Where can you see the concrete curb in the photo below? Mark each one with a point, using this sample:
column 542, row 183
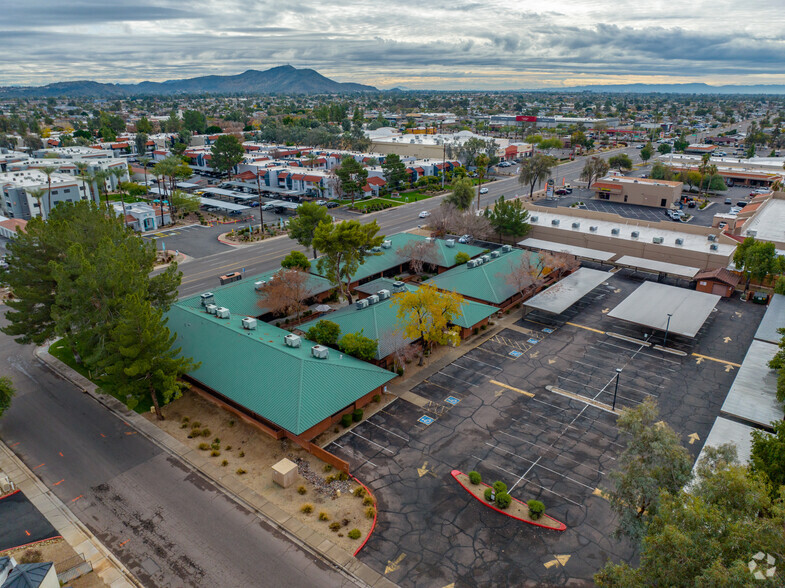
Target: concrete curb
column 311, row 541
column 109, row 569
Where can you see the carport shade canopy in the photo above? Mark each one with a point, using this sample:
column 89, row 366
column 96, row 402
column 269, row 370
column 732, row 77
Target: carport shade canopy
column 659, row 267
column 582, row 252
column 651, row 303
column 568, row 291
column 222, row 204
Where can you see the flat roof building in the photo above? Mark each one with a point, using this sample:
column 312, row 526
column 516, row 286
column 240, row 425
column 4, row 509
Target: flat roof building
column 640, row 191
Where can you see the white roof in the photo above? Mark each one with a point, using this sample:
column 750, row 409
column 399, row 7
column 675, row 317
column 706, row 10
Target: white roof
column 222, row 204
column 568, row 291
column 728, row 431
column 769, row 221
column 661, row 267
column 583, row 252
column 773, row 320
column 753, row 395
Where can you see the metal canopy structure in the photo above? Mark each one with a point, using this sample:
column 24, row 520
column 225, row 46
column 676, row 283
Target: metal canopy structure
column 283, row 204
column 728, row 431
column 773, row 319
column 568, row 291
column 657, row 267
column 582, row 252
column 652, row 305
column 222, row 204
column 753, row 395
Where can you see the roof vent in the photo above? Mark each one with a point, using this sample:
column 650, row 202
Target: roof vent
column 450, row 242
column 373, row 299
column 320, row 352
column 259, row 285
column 534, row 219
column 249, row 323
column 614, row 231
column 714, row 247
column 485, row 258
column 495, row 254
column 679, row 241
column 386, row 244
column 207, row 298
column 506, row 248
column 657, row 240
column 292, row 340
column 635, row 234
column 472, row 263
column 593, row 228
column 222, row 312
column 398, row 286
column 360, row 304
column 752, row 233
column 211, row 308
column 555, row 222
column 712, row 237
column 576, row 225
column 383, row 294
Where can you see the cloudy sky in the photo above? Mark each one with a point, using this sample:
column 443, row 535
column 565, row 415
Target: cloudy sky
column 460, row 44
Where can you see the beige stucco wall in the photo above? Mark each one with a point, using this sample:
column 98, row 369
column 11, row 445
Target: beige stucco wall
column 646, row 194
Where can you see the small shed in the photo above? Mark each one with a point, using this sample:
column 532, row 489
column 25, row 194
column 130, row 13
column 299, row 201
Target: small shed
column 720, row 281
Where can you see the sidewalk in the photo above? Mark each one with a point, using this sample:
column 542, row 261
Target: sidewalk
column 315, row 543
column 109, row 569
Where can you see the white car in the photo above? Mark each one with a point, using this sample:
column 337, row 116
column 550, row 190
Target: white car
column 321, row 202
column 425, row 214
column 483, row 190
column 464, row 239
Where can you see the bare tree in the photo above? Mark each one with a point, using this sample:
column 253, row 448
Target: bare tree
column 534, row 270
column 404, row 350
column 285, row 293
column 419, row 253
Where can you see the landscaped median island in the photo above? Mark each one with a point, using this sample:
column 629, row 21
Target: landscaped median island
column 515, row 508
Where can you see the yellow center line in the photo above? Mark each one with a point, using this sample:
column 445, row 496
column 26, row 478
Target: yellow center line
column 524, row 392
column 717, row 360
column 585, row 327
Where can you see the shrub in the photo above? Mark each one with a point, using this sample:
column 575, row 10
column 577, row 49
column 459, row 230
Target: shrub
column 205, row 432
column 346, row 421
column 343, row 476
column 329, row 479
column 488, row 494
column 345, row 522
column 224, row 463
column 327, row 467
column 475, row 477
column 475, row 330
column 354, row 534
column 184, row 426
column 359, row 492
column 334, row 527
column 536, row 509
column 368, row 501
column 204, row 446
column 215, row 445
column 399, row 371
column 357, row 415
column 240, row 471
column 216, row 441
column 231, row 422
column 196, row 425
column 241, row 454
column 323, row 516
column 370, row 512
column 215, row 453
column 499, row 487
column 377, row 398
column 503, row 500
column 306, row 508
column 302, row 490
column 194, row 433
column 228, row 448
column 31, row 556
column 186, row 419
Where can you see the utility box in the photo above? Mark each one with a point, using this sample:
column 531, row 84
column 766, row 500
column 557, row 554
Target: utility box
column 285, row 473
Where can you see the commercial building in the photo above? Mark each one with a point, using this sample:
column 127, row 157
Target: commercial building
column 640, row 191
column 756, row 171
column 499, row 120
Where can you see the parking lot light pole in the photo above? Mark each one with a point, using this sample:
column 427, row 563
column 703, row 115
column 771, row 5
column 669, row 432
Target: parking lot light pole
column 667, row 326
column 616, row 388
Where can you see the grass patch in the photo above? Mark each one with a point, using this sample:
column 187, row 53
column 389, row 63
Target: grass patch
column 61, row 351
column 375, row 204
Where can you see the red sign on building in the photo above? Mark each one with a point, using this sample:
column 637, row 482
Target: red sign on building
column 521, row 118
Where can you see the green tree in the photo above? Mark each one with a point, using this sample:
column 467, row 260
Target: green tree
column 768, row 449
column 324, row 332
column 48, row 170
column 143, row 125
column 462, row 194
column 653, row 460
column 664, row 148
column 552, row 143
column 185, row 202
column 660, row 171
column 352, row 176
column 140, row 359
column 594, row 169
column 394, row 172
column 461, row 257
column 680, row 144
column 622, row 162
column 779, row 285
column 194, row 121
column 646, row 152
column 757, row 260
column 303, row 227
column 535, row 169
column 508, row 217
column 359, row 346
column 140, row 142
column 345, row 247
column 296, row 259
column 227, row 152
column 7, row 392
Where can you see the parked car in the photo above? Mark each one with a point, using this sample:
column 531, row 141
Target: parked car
column 758, row 191
column 734, row 210
column 742, row 203
column 691, row 204
column 321, row 202
column 425, row 214
column 483, row 190
column 332, row 205
column 253, row 203
column 561, row 191
column 465, row 239
column 728, row 201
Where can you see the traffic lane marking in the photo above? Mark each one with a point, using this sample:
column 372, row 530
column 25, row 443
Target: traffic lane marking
column 724, row 361
column 524, row 392
column 593, row 330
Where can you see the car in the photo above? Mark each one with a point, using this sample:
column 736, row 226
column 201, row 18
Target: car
column 268, row 206
column 758, row 191
column 483, row 190
column 639, row 146
column 734, row 210
column 254, row 204
column 321, row 202
column 728, row 201
column 561, row 191
column 425, row 214
column 332, row 205
column 691, row 204
column 722, row 225
column 742, row 203
column 464, row 239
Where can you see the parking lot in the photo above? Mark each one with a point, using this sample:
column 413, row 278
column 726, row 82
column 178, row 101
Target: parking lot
column 527, row 405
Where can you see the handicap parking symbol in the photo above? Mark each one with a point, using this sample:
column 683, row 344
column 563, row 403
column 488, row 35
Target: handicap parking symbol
column 425, row 420
column 533, row 341
column 515, row 354
column 452, row 400
column 547, row 330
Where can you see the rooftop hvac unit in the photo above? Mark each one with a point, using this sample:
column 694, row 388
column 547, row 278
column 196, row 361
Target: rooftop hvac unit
column 249, row 323
column 207, row 298
column 614, row 231
column 222, row 312
column 711, row 237
column 386, row 244
column 450, row 242
column 593, row 228
column 320, row 352
column 211, row 308
column 714, row 247
column 485, row 258
column 292, row 340
column 679, row 241
column 471, row 263
column 752, row 233
column 635, row 234
column 383, row 294
column 506, row 248
column 495, row 254
column 259, row 285
column 360, row 304
column 534, row 219
column 555, row 222
column 657, row 240
column 373, row 299
column 398, row 286
column 576, row 225
column 429, row 239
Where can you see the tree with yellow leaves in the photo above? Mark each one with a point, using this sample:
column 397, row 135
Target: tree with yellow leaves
column 425, row 313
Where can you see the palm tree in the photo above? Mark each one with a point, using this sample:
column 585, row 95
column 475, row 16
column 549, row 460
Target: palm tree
column 481, row 161
column 38, row 194
column 118, row 173
column 100, row 177
column 81, row 167
column 144, row 161
column 703, row 169
column 49, row 170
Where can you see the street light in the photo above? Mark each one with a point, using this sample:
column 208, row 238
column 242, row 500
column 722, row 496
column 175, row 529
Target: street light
column 616, row 388
column 667, row 325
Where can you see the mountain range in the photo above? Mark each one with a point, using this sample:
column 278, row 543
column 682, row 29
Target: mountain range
column 692, row 88
column 278, row 80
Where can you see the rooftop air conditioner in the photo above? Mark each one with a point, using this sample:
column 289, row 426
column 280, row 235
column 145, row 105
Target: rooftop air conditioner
column 383, row 294
column 429, row 239
column 222, row 312
column 373, row 299
column 657, row 240
column 259, row 285
column 679, row 241
column 450, row 242
column 320, row 352
column 593, row 228
column 398, row 286
column 292, row 340
column 714, row 247
column 386, row 244
column 506, row 248
column 471, row 263
column 576, row 225
column 555, row 222
column 485, row 258
column 614, row 231
column 211, row 308
column 495, row 254
column 360, row 304
column 635, row 234
column 249, row 323
column 534, row 219
column 711, row 237
column 207, row 298
column 752, row 233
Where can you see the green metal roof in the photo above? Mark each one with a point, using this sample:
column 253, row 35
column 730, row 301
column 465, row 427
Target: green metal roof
column 379, row 321
column 284, row 385
column 242, row 298
column 443, row 256
column 486, row 282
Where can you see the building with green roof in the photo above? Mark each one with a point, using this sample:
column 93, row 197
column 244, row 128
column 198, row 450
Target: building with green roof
column 486, row 282
column 301, row 390
column 386, row 261
column 379, row 320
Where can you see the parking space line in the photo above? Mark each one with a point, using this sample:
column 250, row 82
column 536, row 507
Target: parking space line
column 481, row 348
column 542, row 466
column 478, row 361
column 454, row 378
column 611, row 370
column 551, row 447
column 530, row 482
column 387, row 430
column 383, row 448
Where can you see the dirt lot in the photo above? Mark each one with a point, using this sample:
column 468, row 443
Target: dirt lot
column 63, row 556
column 244, row 446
